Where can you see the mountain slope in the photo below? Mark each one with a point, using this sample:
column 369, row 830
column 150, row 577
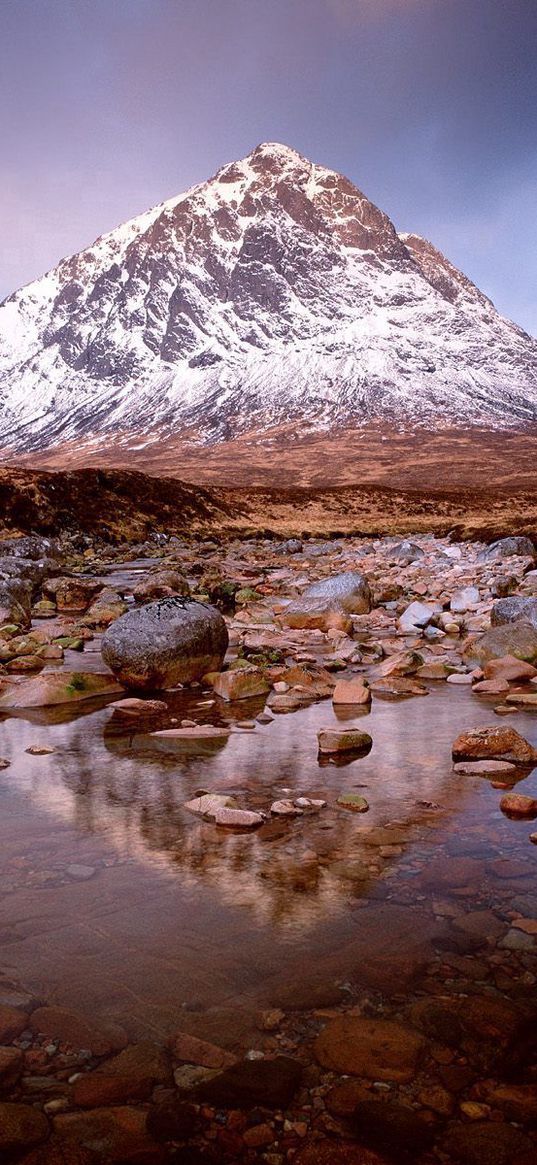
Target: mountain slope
column 275, row 291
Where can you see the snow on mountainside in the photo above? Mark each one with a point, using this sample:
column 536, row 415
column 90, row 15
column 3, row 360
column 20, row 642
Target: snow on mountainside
column 274, row 291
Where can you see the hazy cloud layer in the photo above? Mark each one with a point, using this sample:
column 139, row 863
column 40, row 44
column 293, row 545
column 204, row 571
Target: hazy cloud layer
column 109, row 106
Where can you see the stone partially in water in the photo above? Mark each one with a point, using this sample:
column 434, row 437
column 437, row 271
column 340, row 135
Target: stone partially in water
column 355, row 691
column 57, row 688
column 270, row 1083
column 241, row 683
column 208, row 804
column 485, row 768
column 514, row 639
column 21, row 1127
column 173, row 641
column 15, row 601
column 229, row 818
column 349, row 592
column 354, row 802
column 518, row 805
column 494, row 743
column 339, row 740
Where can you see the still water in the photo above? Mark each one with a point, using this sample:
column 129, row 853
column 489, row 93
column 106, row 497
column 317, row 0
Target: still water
column 119, row 902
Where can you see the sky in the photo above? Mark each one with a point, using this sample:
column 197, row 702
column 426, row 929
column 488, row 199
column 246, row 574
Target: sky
column 108, row 107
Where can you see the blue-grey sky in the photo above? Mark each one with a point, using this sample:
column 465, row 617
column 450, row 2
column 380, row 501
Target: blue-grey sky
column 430, row 106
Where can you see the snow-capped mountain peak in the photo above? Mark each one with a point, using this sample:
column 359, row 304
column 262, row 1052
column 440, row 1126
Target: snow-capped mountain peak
column 275, row 290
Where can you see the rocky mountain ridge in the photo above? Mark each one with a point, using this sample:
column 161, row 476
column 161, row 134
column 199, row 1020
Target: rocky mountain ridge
column 275, row 291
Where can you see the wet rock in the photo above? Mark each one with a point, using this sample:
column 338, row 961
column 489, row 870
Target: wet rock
column 12, row 1023
column 353, row 801
column 285, row 809
column 491, row 687
column 117, row 1134
column 349, row 591
column 485, row 768
column 15, row 602
column 238, row 819
column 136, row 710
column 165, row 643
column 240, row 683
column 131, row 1075
column 192, row 738
column 485, row 1143
column 401, row 663
column 378, row 1049
column 71, row 1028
column 208, row 804
column 337, row 1153
column 21, row 1127
column 57, row 688
column 315, row 614
column 191, row 1050
column 518, row 805
column 387, row 1125
column 518, row 1101
column 514, row 639
column 355, row 691
column 173, row 1120
column 498, row 743
column 11, row 1066
column 525, row 699
column 55, row 1151
column 269, row 1083
column 72, row 594
column 343, row 740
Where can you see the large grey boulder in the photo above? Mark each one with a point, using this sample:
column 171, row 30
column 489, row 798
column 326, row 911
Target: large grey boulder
column 30, row 546
column 512, row 609
column 173, row 641
column 508, row 547
column 518, row 639
column 33, row 569
column 345, row 592
column 404, row 553
column 15, row 601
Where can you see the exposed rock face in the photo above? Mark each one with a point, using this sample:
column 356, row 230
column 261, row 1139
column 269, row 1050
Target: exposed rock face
column 274, row 290
column 173, row 641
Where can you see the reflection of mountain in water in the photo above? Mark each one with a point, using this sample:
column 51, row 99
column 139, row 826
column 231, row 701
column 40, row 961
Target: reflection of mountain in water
column 292, row 873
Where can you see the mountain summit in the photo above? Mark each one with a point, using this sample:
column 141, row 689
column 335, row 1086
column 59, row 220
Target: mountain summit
column 274, row 292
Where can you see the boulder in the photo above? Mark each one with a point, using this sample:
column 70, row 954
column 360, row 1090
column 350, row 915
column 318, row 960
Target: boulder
column 516, row 639
column 60, row 687
column 355, row 691
column 160, row 584
column 507, row 667
column 131, row 1075
column 350, row 592
column 315, row 614
column 497, row 743
column 404, row 553
column 173, row 641
column 508, row 547
column 379, row 1049
column 464, row 600
column 229, row 818
column 249, row 1083
column 30, row 546
column 72, row 594
column 418, row 615
column 15, row 601
column 512, row 609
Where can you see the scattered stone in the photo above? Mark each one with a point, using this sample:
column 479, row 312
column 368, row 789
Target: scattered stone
column 269, row 1083
column 286, row 809
column 238, row 819
column 518, row 805
column 191, row 1050
column 485, row 768
column 494, row 743
column 209, row 804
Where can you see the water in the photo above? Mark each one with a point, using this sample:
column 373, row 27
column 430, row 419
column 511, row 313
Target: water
column 176, row 923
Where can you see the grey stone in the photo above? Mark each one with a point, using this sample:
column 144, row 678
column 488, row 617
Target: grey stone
column 349, row 592
column 172, row 641
column 513, row 609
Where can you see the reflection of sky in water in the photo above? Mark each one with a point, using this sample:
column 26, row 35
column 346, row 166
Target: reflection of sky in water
column 291, row 875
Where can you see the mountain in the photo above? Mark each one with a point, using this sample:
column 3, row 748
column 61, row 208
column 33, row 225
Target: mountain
column 273, row 293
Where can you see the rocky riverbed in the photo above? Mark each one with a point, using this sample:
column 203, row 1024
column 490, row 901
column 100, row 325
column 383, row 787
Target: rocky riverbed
column 286, row 912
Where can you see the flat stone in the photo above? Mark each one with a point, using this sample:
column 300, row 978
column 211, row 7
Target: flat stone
column 353, row 801
column 198, row 732
column 71, row 1028
column 508, row 667
column 338, row 740
column 285, row 809
column 269, row 1083
column 191, row 1050
column 337, row 1153
column 378, row 1049
column 60, row 687
column 208, row 804
column 117, row 1134
column 21, row 1127
column 238, row 819
column 526, row 699
column 131, row 1075
column 485, row 768
column 497, row 743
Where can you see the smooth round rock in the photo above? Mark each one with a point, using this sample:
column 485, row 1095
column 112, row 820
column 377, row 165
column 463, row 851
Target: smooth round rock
column 173, row 641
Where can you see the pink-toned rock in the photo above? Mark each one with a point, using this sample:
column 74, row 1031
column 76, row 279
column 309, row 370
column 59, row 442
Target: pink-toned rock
column 72, row 594
column 190, row 1050
column 12, row 1023
column 238, row 819
column 378, row 1049
column 21, row 1127
column 115, row 1134
column 491, row 687
column 131, row 1075
column 71, row 1028
column 11, row 1066
column 355, row 691
column 485, row 768
column 498, row 743
column 57, row 688
column 241, row 683
column 508, row 667
column 518, row 805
